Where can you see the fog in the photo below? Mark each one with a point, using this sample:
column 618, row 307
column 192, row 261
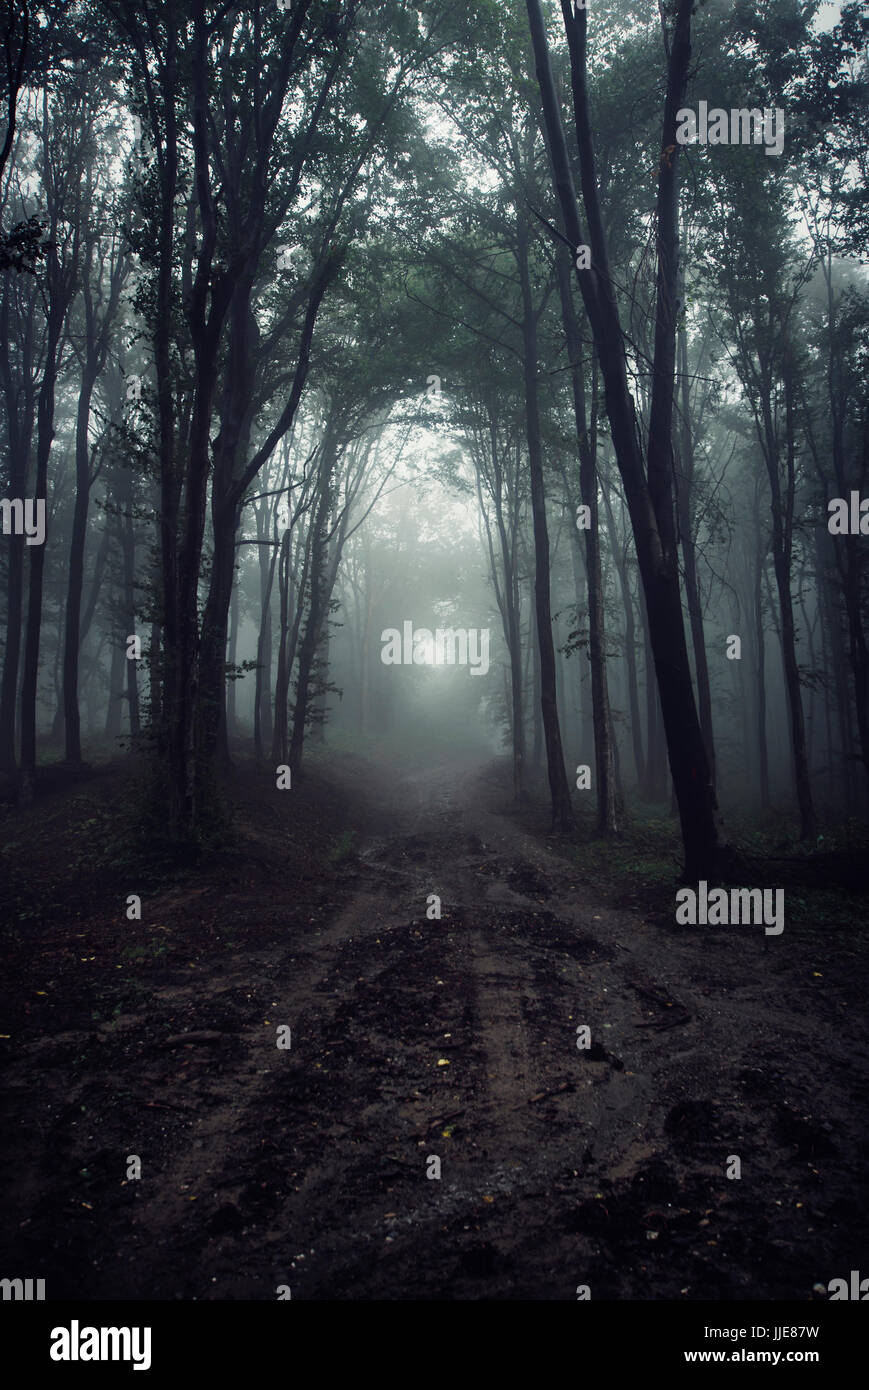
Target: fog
column 434, row 681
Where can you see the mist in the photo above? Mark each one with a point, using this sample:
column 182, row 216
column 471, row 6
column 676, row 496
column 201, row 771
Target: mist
column 434, row 689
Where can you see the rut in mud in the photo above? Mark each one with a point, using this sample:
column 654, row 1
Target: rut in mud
column 414, row 1039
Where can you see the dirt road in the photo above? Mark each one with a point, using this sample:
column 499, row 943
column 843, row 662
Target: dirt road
column 417, row 1039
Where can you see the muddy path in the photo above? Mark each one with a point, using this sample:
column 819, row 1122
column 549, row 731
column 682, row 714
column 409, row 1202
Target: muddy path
column 422, row 1046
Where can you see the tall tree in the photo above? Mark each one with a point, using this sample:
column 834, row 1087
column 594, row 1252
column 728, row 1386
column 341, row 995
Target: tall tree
column 647, row 477
column 65, row 133
column 104, row 268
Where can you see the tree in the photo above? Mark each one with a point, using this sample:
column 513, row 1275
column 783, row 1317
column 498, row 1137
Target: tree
column 646, row 477
column 65, row 135
column 104, row 268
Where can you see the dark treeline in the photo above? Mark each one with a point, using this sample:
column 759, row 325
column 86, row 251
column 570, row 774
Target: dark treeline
column 321, row 317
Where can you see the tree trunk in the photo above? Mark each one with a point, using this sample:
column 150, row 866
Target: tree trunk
column 129, row 552
column 562, row 815
column 30, row 678
column 655, row 785
column 117, row 678
column 18, row 386
column 649, row 499
column 262, row 712
column 684, row 503
column 537, row 721
column 321, row 706
column 78, row 536
column 227, row 495
column 630, row 642
column 317, row 603
column 507, row 588
column 762, row 747
column 782, row 550
column 231, row 703
column 282, row 679
column 603, row 736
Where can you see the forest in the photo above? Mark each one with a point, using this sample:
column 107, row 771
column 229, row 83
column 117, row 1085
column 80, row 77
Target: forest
column 434, row 681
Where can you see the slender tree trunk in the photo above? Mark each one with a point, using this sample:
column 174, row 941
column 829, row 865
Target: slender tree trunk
column 655, row 784
column 262, row 720
column 129, row 562
column 317, row 604
column 648, row 493
column 808, row 827
column 782, row 551
column 684, row 503
column 12, row 652
column 231, row 703
column 603, row 737
column 562, row 815
column 117, row 678
column 165, row 667
column 536, row 704
column 506, row 590
column 18, row 387
column 365, row 664
column 55, row 737
column 155, row 668
column 96, row 341
column 307, row 650
column 847, row 551
column 762, row 747
column 30, row 679
column 630, row 643
column 78, row 537
column 836, row 625
column 318, row 729
column 282, row 679
column 857, row 647
column 633, row 684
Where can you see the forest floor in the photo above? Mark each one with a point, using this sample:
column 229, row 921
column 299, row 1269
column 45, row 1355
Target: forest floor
column 413, row 1038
